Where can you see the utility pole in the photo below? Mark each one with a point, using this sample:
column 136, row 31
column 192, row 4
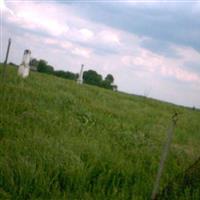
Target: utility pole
column 5, row 62
column 80, row 77
column 164, row 156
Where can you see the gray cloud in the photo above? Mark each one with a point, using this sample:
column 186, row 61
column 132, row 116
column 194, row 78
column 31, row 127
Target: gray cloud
column 173, row 22
column 192, row 66
column 160, row 47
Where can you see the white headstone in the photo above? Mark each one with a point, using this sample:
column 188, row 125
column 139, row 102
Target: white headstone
column 80, row 77
column 24, row 68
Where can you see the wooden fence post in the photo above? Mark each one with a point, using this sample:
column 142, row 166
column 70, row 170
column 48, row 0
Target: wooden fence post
column 164, row 155
column 6, row 59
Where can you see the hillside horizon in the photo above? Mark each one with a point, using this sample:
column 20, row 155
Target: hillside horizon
column 139, row 95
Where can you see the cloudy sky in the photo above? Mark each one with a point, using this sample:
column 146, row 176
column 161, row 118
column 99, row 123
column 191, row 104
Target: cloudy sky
column 151, row 47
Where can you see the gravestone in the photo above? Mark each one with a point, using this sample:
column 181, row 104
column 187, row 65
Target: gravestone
column 80, row 77
column 24, row 68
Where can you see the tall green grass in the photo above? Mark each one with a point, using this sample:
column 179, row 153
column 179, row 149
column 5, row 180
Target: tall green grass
column 60, row 140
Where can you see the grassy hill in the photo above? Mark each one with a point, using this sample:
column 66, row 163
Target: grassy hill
column 60, row 140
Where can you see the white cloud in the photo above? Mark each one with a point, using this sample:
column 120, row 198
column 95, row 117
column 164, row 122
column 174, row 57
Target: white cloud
column 86, row 33
column 150, row 62
column 38, row 17
column 187, row 53
column 82, row 52
column 59, row 43
column 108, row 36
column 61, row 21
column 2, row 5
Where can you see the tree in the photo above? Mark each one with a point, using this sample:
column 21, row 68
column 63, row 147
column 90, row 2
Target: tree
column 109, row 78
column 107, row 82
column 92, row 77
column 44, row 67
column 67, row 75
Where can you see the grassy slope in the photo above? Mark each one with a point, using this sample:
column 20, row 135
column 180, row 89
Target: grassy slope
column 60, row 140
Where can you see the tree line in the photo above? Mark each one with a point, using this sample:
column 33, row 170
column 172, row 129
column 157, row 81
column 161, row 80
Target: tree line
column 89, row 77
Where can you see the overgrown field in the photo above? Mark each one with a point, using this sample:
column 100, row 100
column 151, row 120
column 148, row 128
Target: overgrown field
column 60, row 140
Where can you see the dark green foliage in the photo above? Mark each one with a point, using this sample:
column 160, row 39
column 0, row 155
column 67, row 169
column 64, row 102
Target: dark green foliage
column 109, row 78
column 67, row 75
column 92, row 77
column 106, row 84
column 44, row 67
